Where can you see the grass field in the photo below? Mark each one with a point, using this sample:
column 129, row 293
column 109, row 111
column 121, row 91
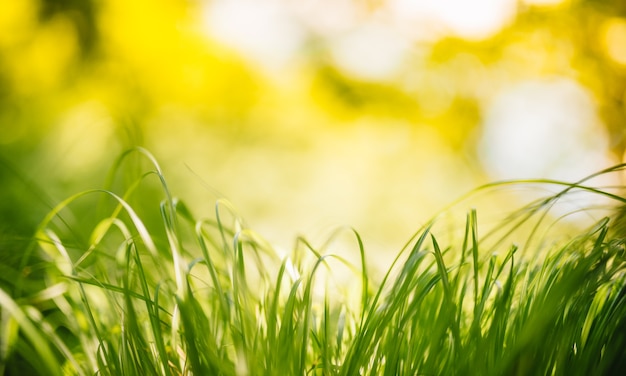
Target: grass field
column 127, row 281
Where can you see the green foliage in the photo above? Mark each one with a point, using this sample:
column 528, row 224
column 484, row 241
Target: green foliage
column 121, row 293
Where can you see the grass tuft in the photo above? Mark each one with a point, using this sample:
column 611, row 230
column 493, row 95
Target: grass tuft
column 140, row 286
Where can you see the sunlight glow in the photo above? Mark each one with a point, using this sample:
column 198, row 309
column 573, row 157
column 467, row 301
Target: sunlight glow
column 366, row 45
column 315, row 16
column 371, row 51
column 543, row 129
column 263, row 31
column 477, row 19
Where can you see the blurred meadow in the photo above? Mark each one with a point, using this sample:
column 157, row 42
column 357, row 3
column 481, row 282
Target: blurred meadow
column 308, row 114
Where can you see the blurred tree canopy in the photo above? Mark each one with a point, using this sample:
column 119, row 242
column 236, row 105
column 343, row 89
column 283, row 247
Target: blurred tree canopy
column 137, row 58
column 81, row 80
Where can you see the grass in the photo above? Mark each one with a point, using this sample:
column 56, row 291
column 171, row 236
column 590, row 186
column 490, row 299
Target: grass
column 131, row 283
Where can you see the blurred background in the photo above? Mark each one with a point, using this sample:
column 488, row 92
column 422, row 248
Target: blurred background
column 308, row 114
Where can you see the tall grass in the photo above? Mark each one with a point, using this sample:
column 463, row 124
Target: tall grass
column 128, row 283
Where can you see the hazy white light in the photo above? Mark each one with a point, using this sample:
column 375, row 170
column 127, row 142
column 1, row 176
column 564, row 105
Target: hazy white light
column 262, row 30
column 543, row 2
column 475, row 19
column 316, row 15
column 543, row 129
column 372, row 52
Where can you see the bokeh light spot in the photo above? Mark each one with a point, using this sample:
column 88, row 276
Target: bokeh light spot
column 476, row 19
column 614, row 38
column 263, row 31
column 372, row 52
column 17, row 21
column 546, row 129
column 45, row 60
